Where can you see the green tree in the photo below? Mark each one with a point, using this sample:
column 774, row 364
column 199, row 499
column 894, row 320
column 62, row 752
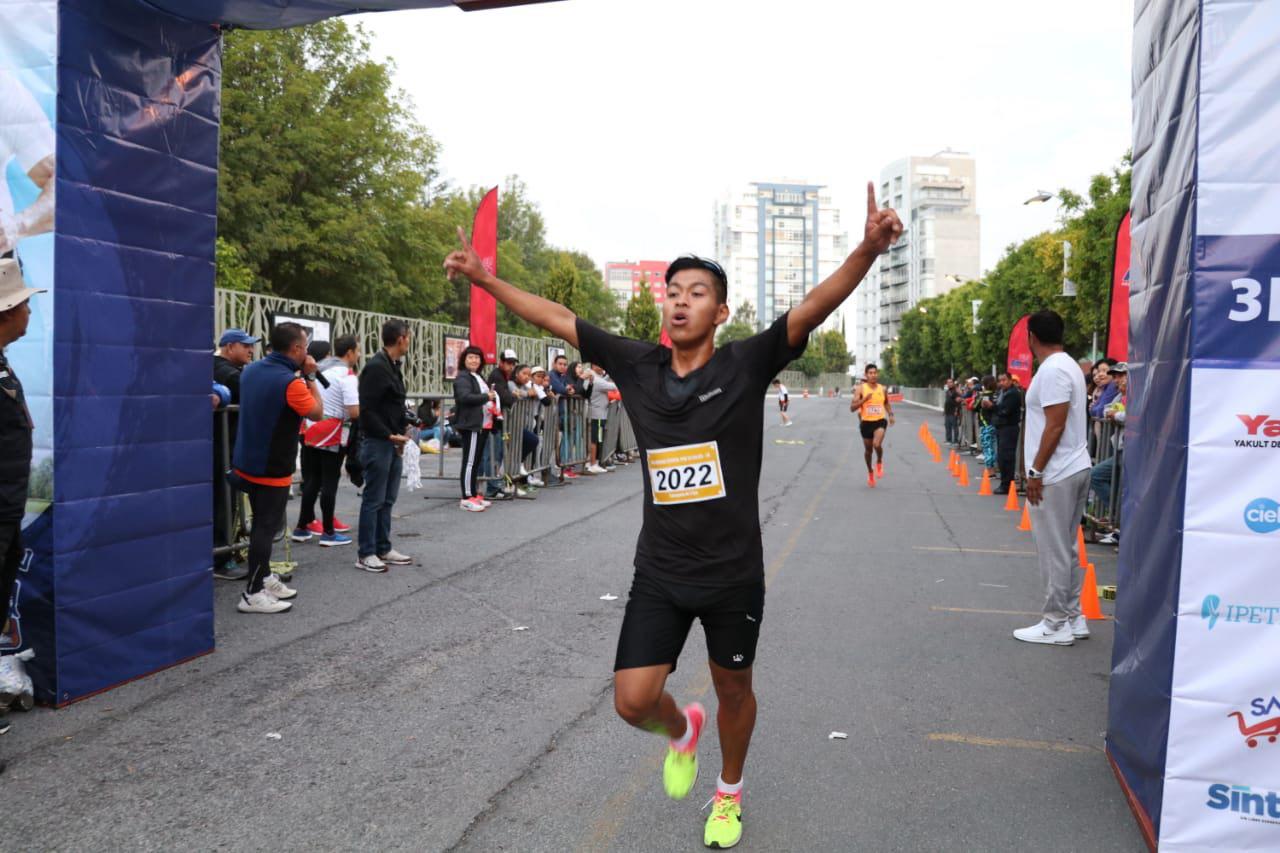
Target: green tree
column 833, row 350
column 810, row 364
column 562, row 284
column 741, row 325
column 643, row 321
column 231, row 272
column 323, row 173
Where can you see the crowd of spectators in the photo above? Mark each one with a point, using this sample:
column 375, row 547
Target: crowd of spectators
column 985, row 416
column 324, row 408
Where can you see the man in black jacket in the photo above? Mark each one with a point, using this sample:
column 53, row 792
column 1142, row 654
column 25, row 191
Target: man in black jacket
column 383, row 421
column 951, row 412
column 235, row 351
column 491, row 459
column 15, row 460
column 1008, row 419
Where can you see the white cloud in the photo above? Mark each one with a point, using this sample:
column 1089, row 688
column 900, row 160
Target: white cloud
column 628, row 117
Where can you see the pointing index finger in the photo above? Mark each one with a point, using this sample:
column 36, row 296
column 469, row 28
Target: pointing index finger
column 871, row 198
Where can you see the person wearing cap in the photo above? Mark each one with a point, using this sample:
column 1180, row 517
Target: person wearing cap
column 16, row 429
column 235, row 351
column 1103, row 473
column 491, row 456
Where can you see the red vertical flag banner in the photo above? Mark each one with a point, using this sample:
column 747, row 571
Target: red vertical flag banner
column 1019, row 361
column 1118, row 320
column 484, row 309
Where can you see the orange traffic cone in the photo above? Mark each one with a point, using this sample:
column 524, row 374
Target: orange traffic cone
column 964, row 476
column 1089, row 595
column 1083, row 555
column 985, row 488
column 951, row 464
column 937, row 453
column 1011, row 503
column 1025, row 523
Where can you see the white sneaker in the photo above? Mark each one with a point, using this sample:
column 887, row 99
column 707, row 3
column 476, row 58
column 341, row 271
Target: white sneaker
column 471, row 505
column 395, row 558
column 371, row 564
column 596, row 469
column 524, row 472
column 1080, row 627
column 261, row 602
column 1111, row 538
column 1042, row 633
column 790, row 423
column 535, row 481
column 276, row 587
column 485, row 502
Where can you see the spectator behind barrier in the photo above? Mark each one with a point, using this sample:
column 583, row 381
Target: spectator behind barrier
column 1103, row 473
column 383, row 435
column 951, row 411
column 984, row 408
column 1008, row 423
column 598, row 413
column 273, row 402
column 473, row 397
column 324, row 442
column 491, row 456
column 235, row 350
column 522, row 388
column 563, row 383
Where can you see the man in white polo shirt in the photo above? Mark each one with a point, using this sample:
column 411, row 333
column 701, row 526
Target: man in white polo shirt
column 1057, row 480
column 25, row 135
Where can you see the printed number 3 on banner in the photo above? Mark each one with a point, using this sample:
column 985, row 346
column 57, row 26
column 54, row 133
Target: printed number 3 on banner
column 1250, row 306
column 686, row 474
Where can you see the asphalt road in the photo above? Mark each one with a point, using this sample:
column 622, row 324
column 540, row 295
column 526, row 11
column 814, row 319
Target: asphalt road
column 413, row 716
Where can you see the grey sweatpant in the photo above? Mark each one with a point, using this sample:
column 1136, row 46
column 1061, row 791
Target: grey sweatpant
column 1053, row 525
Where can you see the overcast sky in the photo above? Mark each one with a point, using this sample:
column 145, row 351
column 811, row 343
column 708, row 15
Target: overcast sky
column 628, row 118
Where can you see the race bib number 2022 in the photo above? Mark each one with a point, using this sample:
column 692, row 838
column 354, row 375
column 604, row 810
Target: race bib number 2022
column 686, row 474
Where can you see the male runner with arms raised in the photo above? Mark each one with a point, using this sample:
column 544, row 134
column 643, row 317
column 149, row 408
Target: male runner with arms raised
column 697, row 417
column 871, row 402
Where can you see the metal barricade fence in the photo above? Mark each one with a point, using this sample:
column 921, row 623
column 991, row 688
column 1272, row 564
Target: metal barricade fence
column 232, row 511
column 969, row 430
column 619, row 437
column 573, row 431
column 627, row 436
column 1106, row 480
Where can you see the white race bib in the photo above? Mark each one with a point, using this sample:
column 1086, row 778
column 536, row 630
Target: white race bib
column 686, row 474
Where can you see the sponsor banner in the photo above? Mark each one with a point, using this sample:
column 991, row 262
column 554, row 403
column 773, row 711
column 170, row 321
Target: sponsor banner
column 1118, row 317
column 1238, row 158
column 1018, row 360
column 1237, row 298
column 28, row 88
column 484, row 308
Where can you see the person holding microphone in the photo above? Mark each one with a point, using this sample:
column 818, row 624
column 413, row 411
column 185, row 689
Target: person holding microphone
column 273, row 401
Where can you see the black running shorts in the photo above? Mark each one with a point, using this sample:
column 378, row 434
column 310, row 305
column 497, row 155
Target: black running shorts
column 869, row 428
column 782, row 404
column 660, row 613
column 597, row 430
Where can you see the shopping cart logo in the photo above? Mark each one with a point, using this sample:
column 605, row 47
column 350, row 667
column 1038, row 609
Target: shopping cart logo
column 1262, row 515
column 1212, row 610
column 1262, row 723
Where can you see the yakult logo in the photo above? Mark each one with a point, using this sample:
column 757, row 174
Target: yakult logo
column 1262, row 516
column 1260, row 431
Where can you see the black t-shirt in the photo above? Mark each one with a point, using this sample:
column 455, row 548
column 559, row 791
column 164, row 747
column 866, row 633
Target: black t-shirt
column 703, row 528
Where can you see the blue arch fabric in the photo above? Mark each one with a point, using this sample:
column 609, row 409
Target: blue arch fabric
column 274, row 14
column 137, row 150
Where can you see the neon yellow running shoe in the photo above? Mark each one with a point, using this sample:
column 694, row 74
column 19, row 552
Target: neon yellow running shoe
column 724, row 826
column 680, row 769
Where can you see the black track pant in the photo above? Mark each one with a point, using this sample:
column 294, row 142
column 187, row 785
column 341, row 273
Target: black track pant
column 469, row 473
column 326, row 470
column 268, row 504
column 1007, row 453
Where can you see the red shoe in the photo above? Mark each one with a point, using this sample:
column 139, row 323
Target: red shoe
column 339, row 526
column 317, row 528
column 871, row 480
column 570, row 474
column 880, row 470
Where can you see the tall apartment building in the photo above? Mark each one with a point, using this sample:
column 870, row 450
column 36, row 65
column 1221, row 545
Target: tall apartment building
column 777, row 241
column 937, row 199
column 623, row 279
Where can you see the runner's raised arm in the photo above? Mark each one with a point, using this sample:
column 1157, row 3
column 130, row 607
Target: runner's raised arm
column 882, row 230
column 544, row 313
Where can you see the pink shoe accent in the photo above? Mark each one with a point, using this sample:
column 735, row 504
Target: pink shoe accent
column 697, row 717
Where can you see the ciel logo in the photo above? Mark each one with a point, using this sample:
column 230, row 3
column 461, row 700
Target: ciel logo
column 1262, row 515
column 1263, row 721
